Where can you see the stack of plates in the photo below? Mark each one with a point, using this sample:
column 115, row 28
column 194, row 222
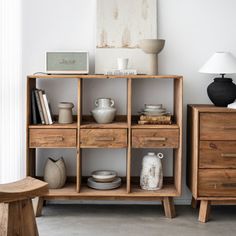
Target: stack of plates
column 104, row 180
column 154, row 110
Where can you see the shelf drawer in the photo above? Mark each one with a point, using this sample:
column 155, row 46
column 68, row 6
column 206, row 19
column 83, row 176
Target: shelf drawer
column 155, row 138
column 218, row 126
column 217, row 154
column 216, row 182
column 52, row 138
column 103, row 138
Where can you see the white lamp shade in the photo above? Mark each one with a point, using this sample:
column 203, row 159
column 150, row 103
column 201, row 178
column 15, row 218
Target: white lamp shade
column 220, row 63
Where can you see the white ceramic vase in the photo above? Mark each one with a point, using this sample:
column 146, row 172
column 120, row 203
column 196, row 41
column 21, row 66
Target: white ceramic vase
column 104, row 112
column 152, row 47
column 55, row 173
column 151, row 177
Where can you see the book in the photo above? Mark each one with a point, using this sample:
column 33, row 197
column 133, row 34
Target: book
column 34, row 120
column 43, row 106
column 36, row 92
column 47, row 108
column 121, row 72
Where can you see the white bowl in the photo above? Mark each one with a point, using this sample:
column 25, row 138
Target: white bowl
column 104, row 176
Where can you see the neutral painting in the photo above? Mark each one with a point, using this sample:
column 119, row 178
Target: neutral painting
column 122, row 23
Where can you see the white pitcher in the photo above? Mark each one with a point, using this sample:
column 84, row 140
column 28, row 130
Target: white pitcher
column 151, row 177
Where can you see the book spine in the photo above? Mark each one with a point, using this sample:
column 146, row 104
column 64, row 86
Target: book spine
column 43, row 107
column 33, row 108
column 39, row 106
column 47, row 108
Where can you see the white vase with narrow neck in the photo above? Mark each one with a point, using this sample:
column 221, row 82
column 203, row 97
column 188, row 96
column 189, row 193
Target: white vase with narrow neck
column 104, row 112
column 151, row 177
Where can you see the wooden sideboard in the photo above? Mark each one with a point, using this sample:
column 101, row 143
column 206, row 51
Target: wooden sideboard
column 123, row 133
column 211, row 156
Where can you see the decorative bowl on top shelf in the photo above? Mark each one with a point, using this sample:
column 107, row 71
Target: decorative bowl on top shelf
column 104, row 176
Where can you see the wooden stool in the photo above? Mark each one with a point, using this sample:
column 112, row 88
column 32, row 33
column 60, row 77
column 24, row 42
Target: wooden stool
column 16, row 210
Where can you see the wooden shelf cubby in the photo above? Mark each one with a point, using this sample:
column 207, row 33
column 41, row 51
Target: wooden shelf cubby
column 123, row 133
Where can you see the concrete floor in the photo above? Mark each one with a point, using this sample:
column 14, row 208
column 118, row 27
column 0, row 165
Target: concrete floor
column 133, row 220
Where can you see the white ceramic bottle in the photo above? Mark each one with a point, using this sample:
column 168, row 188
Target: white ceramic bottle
column 151, row 177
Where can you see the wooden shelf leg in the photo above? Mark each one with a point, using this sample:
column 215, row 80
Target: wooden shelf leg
column 169, row 207
column 194, row 203
column 38, row 206
column 204, row 211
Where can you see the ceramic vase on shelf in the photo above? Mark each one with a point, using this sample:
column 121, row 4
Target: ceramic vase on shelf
column 104, row 112
column 55, row 173
column 151, row 177
column 65, row 112
column 152, row 47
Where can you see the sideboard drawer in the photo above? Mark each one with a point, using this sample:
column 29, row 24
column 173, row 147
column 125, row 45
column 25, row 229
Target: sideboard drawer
column 216, row 182
column 218, row 126
column 217, row 154
column 52, row 138
column 103, row 138
column 155, row 138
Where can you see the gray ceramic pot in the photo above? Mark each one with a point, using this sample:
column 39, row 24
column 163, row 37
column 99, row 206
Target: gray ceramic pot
column 55, row 173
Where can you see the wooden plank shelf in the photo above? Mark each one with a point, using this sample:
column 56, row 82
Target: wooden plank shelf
column 55, row 125
column 113, row 125
column 101, row 76
column 69, row 192
column 137, row 126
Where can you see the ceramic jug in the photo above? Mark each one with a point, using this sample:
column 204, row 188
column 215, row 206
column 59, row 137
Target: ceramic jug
column 151, row 177
column 104, row 112
column 55, row 173
column 65, row 112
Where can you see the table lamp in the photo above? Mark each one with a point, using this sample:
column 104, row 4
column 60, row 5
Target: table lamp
column 222, row 91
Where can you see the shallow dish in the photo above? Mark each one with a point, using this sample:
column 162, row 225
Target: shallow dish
column 104, row 186
column 153, row 106
column 155, row 110
column 104, row 176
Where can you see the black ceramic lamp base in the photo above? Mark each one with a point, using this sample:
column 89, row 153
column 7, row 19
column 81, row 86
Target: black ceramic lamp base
column 222, row 92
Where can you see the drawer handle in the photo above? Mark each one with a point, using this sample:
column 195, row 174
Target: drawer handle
column 229, row 185
column 229, row 127
column 105, row 139
column 55, row 139
column 228, row 155
column 155, row 139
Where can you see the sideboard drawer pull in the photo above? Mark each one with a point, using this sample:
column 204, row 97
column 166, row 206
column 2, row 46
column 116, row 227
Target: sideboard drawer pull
column 229, row 127
column 55, row 138
column 229, row 185
column 228, row 155
column 105, row 139
column 148, row 139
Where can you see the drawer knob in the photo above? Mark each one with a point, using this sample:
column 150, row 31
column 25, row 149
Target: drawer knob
column 105, row 139
column 228, row 155
column 150, row 139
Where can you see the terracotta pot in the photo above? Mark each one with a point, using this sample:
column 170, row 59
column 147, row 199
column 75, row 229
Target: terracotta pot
column 55, row 173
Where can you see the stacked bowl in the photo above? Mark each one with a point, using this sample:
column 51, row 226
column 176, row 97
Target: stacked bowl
column 104, row 180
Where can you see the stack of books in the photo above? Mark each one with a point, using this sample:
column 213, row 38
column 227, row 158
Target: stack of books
column 40, row 108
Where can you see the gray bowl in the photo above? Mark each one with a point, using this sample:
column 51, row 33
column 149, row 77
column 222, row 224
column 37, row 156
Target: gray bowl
column 104, row 186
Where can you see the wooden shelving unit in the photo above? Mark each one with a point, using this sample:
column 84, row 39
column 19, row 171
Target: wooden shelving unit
column 124, row 132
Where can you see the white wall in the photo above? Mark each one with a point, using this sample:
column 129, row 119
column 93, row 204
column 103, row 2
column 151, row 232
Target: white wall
column 193, row 29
